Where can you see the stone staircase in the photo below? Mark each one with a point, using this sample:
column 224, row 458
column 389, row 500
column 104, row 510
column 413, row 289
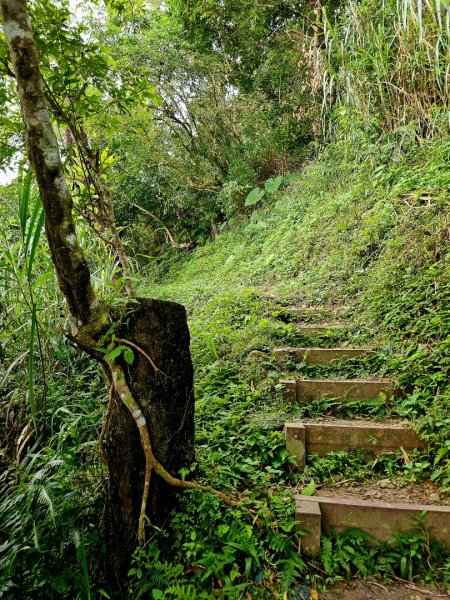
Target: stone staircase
column 337, row 511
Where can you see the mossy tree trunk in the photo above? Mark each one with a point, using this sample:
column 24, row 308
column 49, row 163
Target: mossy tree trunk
column 70, row 264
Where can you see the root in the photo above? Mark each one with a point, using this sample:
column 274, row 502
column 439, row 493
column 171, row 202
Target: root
column 120, row 385
column 105, row 426
column 191, row 485
column 141, row 351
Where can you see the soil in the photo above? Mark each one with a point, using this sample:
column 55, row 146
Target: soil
column 385, row 422
column 372, row 590
column 387, row 490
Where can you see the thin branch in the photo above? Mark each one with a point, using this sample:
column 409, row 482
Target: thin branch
column 105, row 426
column 141, row 351
column 172, row 240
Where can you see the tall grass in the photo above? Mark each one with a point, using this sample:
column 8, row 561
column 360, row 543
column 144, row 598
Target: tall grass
column 24, row 290
column 30, row 304
column 388, row 66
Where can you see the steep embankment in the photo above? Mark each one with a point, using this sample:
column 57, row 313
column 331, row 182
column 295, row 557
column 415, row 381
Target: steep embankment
column 367, row 230
column 360, row 231
column 370, row 232
column 367, row 233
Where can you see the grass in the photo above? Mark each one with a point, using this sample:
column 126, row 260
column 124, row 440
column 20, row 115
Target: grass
column 337, row 235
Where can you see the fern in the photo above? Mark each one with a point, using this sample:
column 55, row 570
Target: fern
column 443, row 451
column 181, row 591
column 327, row 550
column 44, row 499
column 289, row 571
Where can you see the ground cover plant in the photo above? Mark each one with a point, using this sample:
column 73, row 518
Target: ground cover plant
column 258, row 157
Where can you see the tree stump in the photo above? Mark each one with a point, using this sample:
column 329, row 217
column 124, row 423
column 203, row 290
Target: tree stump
column 167, row 400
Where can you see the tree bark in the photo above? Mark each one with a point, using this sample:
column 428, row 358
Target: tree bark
column 71, row 267
column 167, row 401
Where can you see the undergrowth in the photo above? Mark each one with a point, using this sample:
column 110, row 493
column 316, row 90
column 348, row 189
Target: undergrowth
column 338, row 236
column 348, row 232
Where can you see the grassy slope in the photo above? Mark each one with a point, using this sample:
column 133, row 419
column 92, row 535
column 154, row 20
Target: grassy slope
column 348, row 230
column 369, row 232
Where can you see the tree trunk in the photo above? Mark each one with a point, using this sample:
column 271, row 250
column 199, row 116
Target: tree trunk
column 167, row 401
column 70, row 263
column 163, row 399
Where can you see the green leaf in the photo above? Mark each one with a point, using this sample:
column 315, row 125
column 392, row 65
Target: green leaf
column 403, row 567
column 31, row 397
column 115, row 352
column 24, row 198
column 35, row 242
column 309, row 489
column 157, row 594
column 254, row 196
column 248, row 566
column 129, row 356
column 272, row 185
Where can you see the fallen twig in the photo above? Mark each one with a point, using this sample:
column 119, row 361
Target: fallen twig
column 411, row 586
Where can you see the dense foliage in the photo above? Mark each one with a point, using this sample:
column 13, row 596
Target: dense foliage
column 259, row 155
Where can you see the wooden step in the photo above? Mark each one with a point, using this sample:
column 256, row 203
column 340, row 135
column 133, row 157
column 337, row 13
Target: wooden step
column 379, row 519
column 306, row 390
column 318, row 329
column 319, row 356
column 314, row 312
column 332, row 436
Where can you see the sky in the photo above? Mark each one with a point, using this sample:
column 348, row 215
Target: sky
column 6, row 176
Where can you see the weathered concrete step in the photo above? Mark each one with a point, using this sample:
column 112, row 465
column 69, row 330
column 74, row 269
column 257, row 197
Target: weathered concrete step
column 313, row 312
column 306, row 390
column 319, row 356
column 323, row 437
column 379, row 519
column 318, row 329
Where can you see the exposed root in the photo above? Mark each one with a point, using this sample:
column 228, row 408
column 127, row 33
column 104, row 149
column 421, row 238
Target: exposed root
column 191, row 485
column 141, row 351
column 105, row 426
column 151, row 463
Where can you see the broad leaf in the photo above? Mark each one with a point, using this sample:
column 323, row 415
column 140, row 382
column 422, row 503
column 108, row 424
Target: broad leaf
column 254, row 196
column 273, row 184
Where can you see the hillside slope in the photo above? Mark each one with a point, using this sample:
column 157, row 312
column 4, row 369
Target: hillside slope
column 369, row 233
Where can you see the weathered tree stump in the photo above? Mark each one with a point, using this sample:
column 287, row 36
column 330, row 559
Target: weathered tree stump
column 167, row 400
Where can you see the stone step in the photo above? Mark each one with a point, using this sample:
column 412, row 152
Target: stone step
column 319, row 356
column 306, row 390
column 318, row 329
column 310, row 313
column 304, row 310
column 379, row 519
column 332, row 436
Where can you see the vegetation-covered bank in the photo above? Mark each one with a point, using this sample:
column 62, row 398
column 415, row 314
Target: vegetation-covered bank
column 368, row 231
column 255, row 156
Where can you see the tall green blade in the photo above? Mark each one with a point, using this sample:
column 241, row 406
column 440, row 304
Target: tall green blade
column 31, row 397
column 35, row 242
column 24, row 199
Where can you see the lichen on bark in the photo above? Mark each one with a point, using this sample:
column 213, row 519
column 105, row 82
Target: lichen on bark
column 71, row 267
